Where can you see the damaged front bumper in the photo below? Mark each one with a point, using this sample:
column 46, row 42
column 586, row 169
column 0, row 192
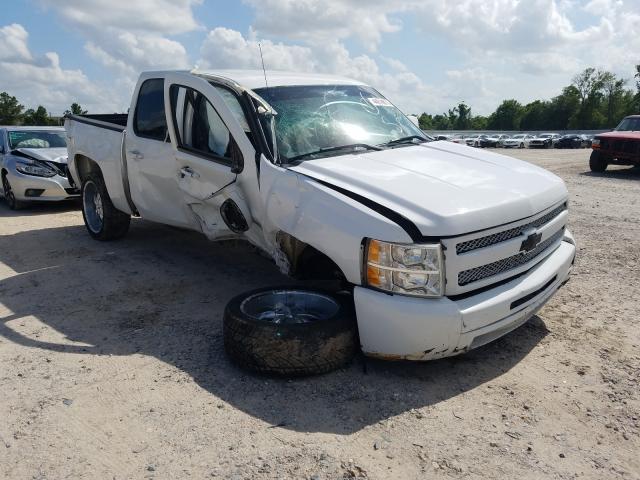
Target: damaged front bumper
column 396, row 327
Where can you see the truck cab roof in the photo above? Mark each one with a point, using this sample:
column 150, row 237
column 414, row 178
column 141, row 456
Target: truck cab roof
column 274, row 78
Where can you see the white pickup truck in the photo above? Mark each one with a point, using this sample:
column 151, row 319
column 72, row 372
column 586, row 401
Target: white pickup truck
column 444, row 247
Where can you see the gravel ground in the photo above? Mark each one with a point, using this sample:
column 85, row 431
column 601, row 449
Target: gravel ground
column 111, row 365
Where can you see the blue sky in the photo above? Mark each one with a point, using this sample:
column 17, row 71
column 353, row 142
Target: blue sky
column 425, row 55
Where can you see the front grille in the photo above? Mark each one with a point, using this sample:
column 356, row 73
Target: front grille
column 505, row 235
column 474, row 274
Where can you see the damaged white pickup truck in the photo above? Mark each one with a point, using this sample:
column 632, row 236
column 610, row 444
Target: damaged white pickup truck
column 444, row 247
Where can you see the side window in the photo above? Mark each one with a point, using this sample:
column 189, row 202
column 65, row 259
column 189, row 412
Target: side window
column 199, row 127
column 234, row 105
column 150, row 120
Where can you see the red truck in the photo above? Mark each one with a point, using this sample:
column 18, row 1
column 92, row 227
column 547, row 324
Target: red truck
column 619, row 147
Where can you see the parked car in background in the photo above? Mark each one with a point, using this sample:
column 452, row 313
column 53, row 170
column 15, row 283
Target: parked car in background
column 519, row 140
column 330, row 186
column 619, row 147
column 459, row 139
column 474, row 140
column 544, row 140
column 492, row 141
column 572, row 140
column 444, row 137
column 33, row 165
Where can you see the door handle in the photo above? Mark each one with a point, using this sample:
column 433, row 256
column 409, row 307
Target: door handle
column 136, row 154
column 188, row 172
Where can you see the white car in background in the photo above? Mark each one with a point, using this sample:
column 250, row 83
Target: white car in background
column 474, row 140
column 33, row 165
column 520, row 140
column 544, row 140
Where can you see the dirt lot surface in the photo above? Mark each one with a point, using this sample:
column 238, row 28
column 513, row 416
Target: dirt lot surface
column 112, row 366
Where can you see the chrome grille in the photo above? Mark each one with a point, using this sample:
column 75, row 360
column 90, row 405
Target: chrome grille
column 505, row 235
column 474, row 274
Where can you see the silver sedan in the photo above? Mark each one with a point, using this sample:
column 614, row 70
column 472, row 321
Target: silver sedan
column 33, row 163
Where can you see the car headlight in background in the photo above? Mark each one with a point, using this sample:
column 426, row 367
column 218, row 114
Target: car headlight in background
column 406, row 269
column 35, row 168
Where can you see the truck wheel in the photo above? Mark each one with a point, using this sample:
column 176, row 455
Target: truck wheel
column 9, row 195
column 597, row 162
column 290, row 331
column 102, row 219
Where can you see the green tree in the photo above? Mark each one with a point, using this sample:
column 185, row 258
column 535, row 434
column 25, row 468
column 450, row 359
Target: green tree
column 426, row 121
column 10, row 110
column 463, row 117
column 589, row 84
column 563, row 108
column 507, row 116
column 441, row 122
column 76, row 109
column 535, row 116
column 613, row 88
column 39, row 116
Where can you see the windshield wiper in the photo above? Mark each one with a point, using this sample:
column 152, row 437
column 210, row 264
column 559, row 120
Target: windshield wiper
column 409, row 139
column 352, row 146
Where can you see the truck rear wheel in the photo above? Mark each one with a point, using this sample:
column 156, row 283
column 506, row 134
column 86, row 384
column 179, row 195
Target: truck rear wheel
column 290, row 331
column 102, row 219
column 597, row 162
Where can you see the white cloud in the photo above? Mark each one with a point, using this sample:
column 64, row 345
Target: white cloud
column 40, row 79
column 225, row 48
column 13, row 43
column 166, row 17
column 130, row 36
column 316, row 21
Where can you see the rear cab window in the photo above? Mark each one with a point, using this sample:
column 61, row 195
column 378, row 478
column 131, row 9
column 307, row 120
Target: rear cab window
column 150, row 120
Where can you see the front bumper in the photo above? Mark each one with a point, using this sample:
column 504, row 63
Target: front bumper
column 45, row 189
column 396, row 327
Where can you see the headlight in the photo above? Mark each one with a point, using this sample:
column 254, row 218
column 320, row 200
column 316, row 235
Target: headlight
column 415, row 270
column 35, row 169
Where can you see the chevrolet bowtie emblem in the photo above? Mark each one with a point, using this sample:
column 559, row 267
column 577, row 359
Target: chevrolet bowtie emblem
column 531, row 242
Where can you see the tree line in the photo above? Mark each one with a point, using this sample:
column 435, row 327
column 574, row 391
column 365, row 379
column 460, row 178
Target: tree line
column 13, row 113
column 596, row 99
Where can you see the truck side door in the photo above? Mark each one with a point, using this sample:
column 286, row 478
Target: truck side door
column 210, row 148
column 150, row 159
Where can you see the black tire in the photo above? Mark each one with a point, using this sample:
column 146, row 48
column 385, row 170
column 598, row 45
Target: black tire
column 597, row 162
column 290, row 349
column 521, row 145
column 113, row 223
column 9, row 195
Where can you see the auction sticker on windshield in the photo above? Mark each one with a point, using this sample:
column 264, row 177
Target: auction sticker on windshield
column 379, row 102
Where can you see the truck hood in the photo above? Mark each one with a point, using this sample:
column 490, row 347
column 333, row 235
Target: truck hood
column 444, row 188
column 630, row 135
column 58, row 155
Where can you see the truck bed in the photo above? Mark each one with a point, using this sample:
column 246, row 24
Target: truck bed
column 111, row 121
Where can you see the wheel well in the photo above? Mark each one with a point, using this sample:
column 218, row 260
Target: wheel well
column 85, row 167
column 307, row 262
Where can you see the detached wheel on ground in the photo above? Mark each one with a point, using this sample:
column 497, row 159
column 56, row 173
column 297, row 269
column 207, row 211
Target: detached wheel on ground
column 598, row 162
column 102, row 219
column 9, row 195
column 290, row 331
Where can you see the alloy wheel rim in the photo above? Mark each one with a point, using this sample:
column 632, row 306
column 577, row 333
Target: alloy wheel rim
column 8, row 191
column 283, row 306
column 93, row 207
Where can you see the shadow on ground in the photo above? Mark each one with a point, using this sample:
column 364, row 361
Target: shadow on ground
column 632, row 173
column 161, row 292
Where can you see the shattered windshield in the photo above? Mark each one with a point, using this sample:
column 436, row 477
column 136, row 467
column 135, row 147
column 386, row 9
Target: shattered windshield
column 37, row 139
column 322, row 118
column 629, row 125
